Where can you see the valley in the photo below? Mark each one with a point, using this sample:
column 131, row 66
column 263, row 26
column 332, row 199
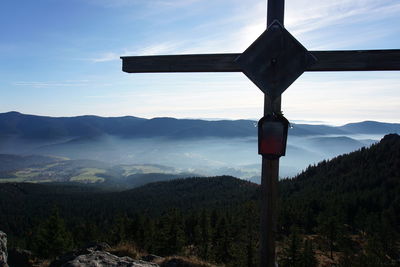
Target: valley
column 178, row 147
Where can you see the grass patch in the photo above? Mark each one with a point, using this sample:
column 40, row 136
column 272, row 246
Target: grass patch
column 134, row 169
column 50, row 166
column 26, row 173
column 12, row 180
column 127, row 249
column 89, row 175
column 40, row 181
column 183, row 261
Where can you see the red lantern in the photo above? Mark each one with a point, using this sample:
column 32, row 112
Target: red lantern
column 272, row 136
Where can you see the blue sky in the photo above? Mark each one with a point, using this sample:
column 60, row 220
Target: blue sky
column 61, row 58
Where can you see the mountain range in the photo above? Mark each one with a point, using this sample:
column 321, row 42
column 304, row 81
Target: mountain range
column 48, row 128
column 225, row 147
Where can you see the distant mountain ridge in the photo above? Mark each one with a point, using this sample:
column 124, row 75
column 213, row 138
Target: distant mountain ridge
column 40, row 127
column 48, row 128
column 371, row 127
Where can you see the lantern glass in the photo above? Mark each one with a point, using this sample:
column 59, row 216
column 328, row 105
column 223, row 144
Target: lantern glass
column 272, row 131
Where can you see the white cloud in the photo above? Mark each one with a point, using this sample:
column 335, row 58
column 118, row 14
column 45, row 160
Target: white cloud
column 308, row 21
column 110, row 56
column 318, row 15
column 158, row 48
column 152, row 49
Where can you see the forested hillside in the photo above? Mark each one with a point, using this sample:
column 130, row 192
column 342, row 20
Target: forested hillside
column 343, row 212
column 361, row 188
column 353, row 201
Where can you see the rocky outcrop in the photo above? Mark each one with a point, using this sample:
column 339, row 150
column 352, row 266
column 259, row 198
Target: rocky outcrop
column 76, row 253
column 102, row 258
column 95, row 255
column 3, row 249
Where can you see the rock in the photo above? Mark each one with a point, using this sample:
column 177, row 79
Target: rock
column 89, row 248
column 20, row 257
column 102, row 246
column 95, row 255
column 3, row 249
column 105, row 259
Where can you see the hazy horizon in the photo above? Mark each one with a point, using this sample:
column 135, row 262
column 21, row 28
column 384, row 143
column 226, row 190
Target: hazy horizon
column 222, row 148
column 299, row 121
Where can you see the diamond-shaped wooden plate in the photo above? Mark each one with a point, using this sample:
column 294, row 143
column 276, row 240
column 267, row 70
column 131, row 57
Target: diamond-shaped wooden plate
column 275, row 60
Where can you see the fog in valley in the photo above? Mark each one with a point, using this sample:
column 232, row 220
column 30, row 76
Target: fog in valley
column 197, row 156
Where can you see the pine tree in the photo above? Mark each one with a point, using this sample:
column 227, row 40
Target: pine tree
column 118, row 229
column 292, row 250
column 375, row 254
column 175, row 236
column 205, row 235
column 307, row 257
column 192, row 230
column 148, row 234
column 331, row 229
column 252, row 224
column 52, row 238
column 222, row 242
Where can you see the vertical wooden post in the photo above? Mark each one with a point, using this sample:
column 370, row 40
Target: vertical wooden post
column 270, row 168
column 275, row 11
column 269, row 184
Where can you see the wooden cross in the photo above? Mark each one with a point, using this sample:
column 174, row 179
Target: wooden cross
column 273, row 62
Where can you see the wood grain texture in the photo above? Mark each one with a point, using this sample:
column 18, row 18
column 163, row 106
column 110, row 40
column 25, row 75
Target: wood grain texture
column 181, row 63
column 351, row 60
column 275, row 11
column 269, row 211
column 356, row 60
column 270, row 168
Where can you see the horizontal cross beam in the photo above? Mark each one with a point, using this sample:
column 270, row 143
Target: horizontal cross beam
column 181, row 63
column 356, row 60
column 348, row 60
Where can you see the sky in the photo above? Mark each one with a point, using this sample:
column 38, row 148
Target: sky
column 61, row 58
